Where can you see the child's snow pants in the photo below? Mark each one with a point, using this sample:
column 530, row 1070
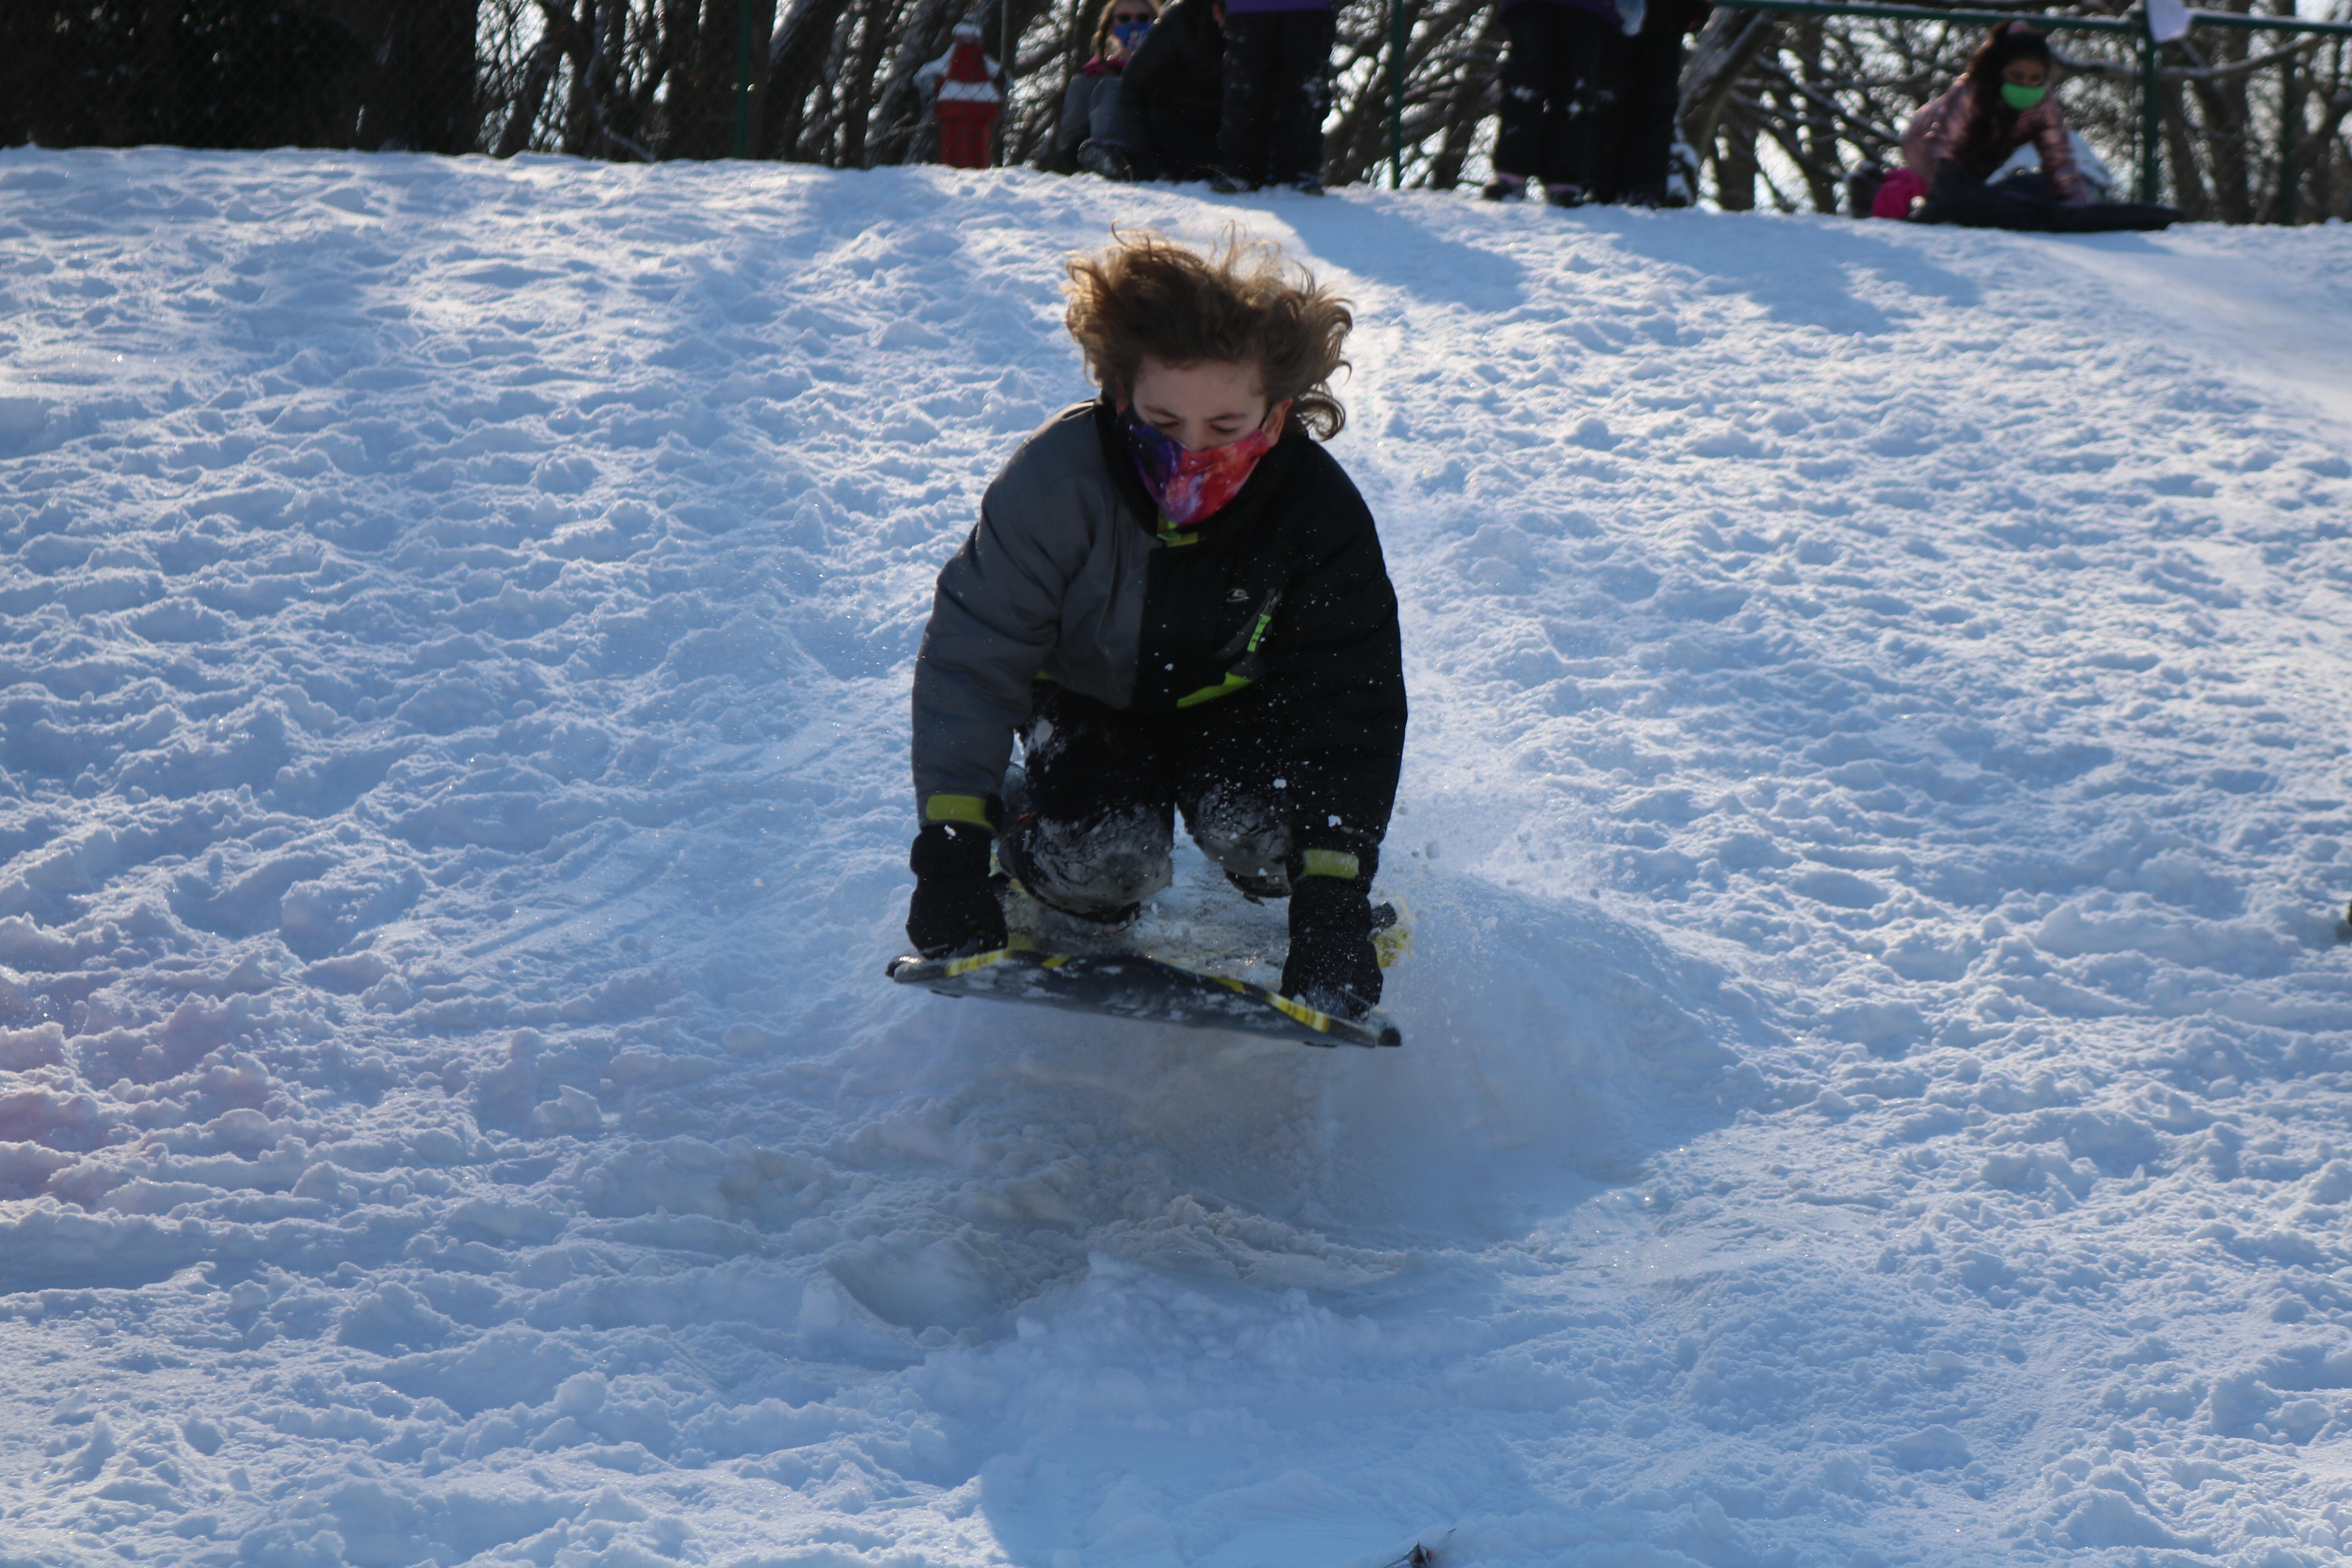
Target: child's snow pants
column 1090, row 821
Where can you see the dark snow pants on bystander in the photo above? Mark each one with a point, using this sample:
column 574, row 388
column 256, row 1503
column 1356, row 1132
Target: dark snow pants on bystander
column 1555, row 94
column 1278, row 91
column 1633, row 154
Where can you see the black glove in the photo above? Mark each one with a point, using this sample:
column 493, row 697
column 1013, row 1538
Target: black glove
column 954, row 910
column 1333, row 964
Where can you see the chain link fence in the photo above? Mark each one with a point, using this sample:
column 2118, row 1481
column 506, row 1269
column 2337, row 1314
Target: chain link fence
column 2253, row 125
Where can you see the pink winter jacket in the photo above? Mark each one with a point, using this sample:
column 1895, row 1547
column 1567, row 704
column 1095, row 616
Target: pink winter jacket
column 1935, row 130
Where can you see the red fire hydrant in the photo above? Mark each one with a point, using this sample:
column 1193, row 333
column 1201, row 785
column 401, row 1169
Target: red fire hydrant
column 965, row 99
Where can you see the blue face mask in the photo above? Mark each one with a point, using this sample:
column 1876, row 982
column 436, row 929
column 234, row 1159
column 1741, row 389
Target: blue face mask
column 1130, row 34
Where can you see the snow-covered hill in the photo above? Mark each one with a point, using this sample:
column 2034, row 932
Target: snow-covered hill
column 1876, row 1082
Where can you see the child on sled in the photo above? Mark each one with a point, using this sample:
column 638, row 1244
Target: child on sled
column 1176, row 601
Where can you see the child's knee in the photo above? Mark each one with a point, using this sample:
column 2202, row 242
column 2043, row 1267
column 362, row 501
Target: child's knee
column 1099, row 866
column 1243, row 831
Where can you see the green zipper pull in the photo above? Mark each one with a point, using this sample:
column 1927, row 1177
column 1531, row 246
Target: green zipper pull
column 1246, row 666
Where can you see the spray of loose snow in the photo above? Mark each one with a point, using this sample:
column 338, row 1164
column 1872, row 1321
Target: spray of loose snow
column 1875, row 1082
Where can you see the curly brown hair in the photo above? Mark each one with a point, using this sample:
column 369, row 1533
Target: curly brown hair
column 1146, row 295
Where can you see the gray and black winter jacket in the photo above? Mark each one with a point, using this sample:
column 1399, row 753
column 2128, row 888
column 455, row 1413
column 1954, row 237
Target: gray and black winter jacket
column 1279, row 603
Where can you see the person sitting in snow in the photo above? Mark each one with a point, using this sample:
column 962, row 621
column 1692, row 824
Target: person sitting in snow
column 2001, row 101
column 1177, row 601
column 1093, row 133
column 2004, row 99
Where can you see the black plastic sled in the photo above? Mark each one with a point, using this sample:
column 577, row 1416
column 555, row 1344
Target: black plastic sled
column 1128, row 986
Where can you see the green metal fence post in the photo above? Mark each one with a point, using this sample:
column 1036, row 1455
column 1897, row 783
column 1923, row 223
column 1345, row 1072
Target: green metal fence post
column 1396, row 95
column 2290, row 115
column 2151, row 114
column 742, row 79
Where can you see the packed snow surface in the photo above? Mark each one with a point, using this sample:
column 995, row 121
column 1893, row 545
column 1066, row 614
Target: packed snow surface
column 1878, row 1070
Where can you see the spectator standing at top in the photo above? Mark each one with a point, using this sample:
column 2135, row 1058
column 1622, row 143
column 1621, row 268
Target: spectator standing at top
column 1559, row 90
column 1172, row 92
column 1092, row 134
column 1277, row 93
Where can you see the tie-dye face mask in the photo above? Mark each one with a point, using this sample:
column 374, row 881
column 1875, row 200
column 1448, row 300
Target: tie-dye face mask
column 1190, row 485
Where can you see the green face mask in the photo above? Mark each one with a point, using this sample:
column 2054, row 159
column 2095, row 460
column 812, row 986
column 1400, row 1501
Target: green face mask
column 2021, row 99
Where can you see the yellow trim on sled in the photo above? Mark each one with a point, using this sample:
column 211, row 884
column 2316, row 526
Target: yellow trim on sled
column 973, row 963
column 1299, row 1012
column 1332, row 863
column 1319, row 1021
